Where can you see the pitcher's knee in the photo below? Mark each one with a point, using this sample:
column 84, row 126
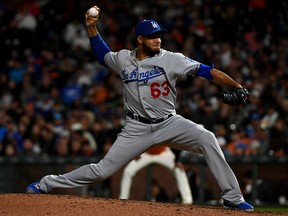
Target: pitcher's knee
column 208, row 139
column 99, row 174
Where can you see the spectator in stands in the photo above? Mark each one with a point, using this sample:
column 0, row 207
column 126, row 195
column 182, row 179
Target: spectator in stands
column 278, row 143
column 87, row 142
column 62, row 143
column 86, row 137
column 239, row 144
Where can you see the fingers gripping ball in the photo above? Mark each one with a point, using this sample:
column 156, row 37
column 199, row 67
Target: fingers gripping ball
column 93, row 12
column 235, row 97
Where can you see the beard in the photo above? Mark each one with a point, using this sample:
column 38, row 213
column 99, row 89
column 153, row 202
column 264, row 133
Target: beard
column 149, row 51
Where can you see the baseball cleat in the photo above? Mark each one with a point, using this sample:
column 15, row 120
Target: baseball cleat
column 244, row 206
column 34, row 188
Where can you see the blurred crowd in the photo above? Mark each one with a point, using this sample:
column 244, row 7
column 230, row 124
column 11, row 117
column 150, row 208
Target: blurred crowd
column 56, row 99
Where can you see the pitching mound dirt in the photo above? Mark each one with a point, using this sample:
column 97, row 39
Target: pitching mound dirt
column 34, row 204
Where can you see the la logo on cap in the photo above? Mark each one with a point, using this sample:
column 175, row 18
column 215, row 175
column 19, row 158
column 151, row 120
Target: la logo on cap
column 154, row 25
column 148, row 27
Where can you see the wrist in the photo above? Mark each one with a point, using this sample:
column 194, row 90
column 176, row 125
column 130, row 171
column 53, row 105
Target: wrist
column 238, row 86
column 92, row 31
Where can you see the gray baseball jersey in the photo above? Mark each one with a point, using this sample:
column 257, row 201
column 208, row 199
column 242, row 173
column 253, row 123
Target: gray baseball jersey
column 149, row 93
column 149, row 84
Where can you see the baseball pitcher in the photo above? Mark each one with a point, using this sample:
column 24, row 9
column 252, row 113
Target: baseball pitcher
column 149, row 74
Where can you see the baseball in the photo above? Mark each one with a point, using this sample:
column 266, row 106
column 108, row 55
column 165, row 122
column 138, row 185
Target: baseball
column 93, row 12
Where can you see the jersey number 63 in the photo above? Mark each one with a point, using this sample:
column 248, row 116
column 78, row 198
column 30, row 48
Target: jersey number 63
column 157, row 89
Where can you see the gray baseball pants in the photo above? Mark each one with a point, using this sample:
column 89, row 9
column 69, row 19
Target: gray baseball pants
column 136, row 137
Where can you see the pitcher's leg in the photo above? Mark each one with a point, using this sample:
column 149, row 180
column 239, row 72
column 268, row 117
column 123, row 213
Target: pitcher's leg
column 220, row 168
column 121, row 152
column 192, row 137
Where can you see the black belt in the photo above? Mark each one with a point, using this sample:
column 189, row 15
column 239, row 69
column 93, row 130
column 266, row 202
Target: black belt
column 147, row 121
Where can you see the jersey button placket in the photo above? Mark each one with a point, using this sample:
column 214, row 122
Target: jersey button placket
column 141, row 90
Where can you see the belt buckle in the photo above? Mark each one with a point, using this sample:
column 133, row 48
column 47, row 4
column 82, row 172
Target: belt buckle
column 135, row 116
column 158, row 120
column 162, row 119
column 154, row 121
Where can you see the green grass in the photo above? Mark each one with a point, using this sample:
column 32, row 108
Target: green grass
column 272, row 209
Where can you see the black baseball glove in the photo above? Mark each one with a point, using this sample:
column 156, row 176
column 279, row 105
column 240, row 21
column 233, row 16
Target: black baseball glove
column 235, row 97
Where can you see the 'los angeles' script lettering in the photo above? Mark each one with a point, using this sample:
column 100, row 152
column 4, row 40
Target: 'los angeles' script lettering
column 136, row 76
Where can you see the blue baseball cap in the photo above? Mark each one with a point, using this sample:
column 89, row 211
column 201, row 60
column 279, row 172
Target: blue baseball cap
column 148, row 27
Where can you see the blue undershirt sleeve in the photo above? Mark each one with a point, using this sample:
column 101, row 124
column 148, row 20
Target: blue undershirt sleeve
column 99, row 48
column 204, row 71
